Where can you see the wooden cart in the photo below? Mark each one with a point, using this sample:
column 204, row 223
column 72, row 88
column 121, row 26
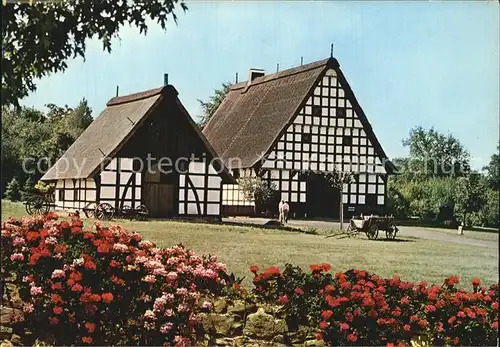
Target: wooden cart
column 371, row 225
column 105, row 211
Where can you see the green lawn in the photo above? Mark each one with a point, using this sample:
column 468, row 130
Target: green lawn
column 240, row 247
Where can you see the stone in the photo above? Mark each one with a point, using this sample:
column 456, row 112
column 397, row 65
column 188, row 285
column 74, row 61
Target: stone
column 221, row 324
column 6, row 343
column 16, row 340
column 220, row 306
column 314, row 343
column 263, row 326
column 5, row 332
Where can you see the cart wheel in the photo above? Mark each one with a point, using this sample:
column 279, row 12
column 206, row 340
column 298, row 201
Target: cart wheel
column 37, row 205
column 391, row 232
column 372, row 233
column 127, row 211
column 142, row 212
column 104, row 211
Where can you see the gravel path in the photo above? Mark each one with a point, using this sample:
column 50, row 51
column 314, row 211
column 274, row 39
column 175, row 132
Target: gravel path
column 403, row 231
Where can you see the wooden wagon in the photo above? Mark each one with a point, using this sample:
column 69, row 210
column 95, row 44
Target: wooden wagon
column 105, row 211
column 371, row 225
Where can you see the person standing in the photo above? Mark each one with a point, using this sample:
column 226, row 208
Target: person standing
column 283, row 209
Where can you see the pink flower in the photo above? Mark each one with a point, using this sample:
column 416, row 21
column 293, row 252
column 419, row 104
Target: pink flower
column 207, row 305
column 182, row 291
column 58, row 274
column 149, row 315
column 283, row 299
column 51, row 240
column 165, row 328
column 36, row 290
column 149, row 279
column 169, row 313
column 17, row 257
column 18, row 241
column 28, row 308
column 172, row 276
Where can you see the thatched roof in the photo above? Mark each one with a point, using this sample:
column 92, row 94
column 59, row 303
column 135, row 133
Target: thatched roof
column 111, row 130
column 252, row 117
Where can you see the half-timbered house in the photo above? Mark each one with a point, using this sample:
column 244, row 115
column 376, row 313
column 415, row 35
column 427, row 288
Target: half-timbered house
column 302, row 120
column 144, row 148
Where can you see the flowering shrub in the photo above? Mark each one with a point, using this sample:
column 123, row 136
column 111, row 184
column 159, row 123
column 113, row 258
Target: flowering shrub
column 358, row 308
column 105, row 286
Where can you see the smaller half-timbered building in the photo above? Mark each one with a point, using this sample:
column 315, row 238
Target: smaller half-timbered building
column 143, row 149
column 301, row 120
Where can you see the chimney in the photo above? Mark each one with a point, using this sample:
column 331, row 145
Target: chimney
column 254, row 73
column 165, row 79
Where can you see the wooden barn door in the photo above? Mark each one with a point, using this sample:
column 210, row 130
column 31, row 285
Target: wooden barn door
column 157, row 196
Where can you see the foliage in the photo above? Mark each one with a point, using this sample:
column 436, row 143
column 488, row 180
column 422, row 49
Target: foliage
column 435, row 154
column 28, row 189
column 493, row 171
column 213, row 103
column 55, row 32
column 43, row 187
column 13, row 191
column 32, row 140
column 105, row 286
column 256, row 189
column 358, row 308
column 469, row 195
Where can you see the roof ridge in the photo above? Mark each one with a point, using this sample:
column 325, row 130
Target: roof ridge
column 281, row 74
column 117, row 100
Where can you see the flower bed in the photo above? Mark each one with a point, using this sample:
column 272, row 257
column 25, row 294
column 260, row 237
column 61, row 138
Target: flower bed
column 358, row 308
column 107, row 286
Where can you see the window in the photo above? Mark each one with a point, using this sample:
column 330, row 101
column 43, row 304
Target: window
column 306, row 138
column 316, row 111
column 340, row 112
column 347, row 140
column 60, row 194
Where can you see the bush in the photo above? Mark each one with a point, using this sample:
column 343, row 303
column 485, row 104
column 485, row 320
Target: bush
column 358, row 308
column 28, row 189
column 13, row 192
column 105, row 286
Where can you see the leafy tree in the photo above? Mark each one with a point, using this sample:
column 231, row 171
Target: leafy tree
column 469, row 195
column 28, row 189
column 40, row 38
column 13, row 192
column 435, row 154
column 213, row 104
column 493, row 171
column 256, row 189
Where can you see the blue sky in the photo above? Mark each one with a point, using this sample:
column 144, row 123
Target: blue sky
column 409, row 63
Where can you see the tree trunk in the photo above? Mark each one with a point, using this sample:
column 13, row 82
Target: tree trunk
column 341, row 213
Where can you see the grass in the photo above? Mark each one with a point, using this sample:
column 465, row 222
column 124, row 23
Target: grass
column 241, row 246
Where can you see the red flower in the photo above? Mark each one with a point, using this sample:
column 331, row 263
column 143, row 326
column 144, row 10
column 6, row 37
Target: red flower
column 319, row 336
column 254, row 269
column 299, row 291
column 56, row 299
column 327, row 314
column 87, row 339
column 315, row 268
column 60, row 248
column 352, row 337
column 476, row 282
column 107, row 297
column 58, row 310
column 103, row 248
column 405, row 301
column 343, row 326
column 325, row 267
column 114, row 263
column 56, row 286
column 283, row 299
column 89, row 264
column 76, row 230
column 406, row 327
column 430, row 308
column 323, row 325
column 64, row 225
column 494, row 325
column 90, row 327
column 452, row 280
column 329, row 288
column 452, row 320
column 54, row 320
